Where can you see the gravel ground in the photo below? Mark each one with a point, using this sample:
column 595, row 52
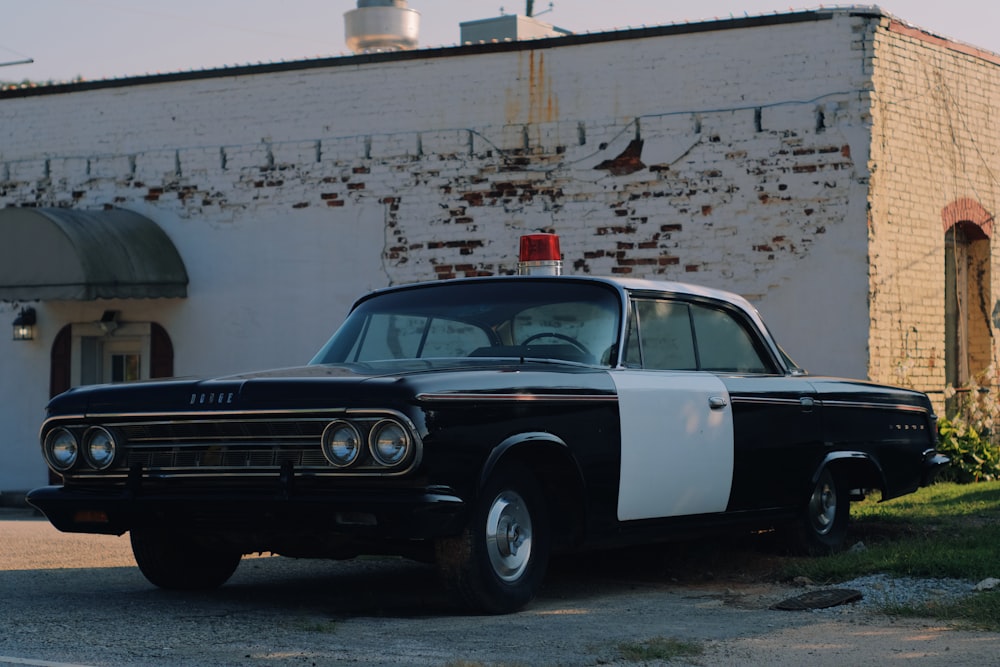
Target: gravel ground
column 881, row 591
column 79, row 600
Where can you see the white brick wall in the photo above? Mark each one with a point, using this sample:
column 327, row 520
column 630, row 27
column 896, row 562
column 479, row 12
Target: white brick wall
column 289, row 193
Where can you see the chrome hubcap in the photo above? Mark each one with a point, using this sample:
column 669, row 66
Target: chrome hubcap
column 823, row 505
column 508, row 536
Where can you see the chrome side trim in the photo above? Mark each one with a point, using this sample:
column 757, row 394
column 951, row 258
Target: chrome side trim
column 517, row 398
column 874, row 406
column 756, row 400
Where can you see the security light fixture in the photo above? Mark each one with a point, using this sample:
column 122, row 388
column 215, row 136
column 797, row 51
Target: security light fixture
column 109, row 321
column 24, row 324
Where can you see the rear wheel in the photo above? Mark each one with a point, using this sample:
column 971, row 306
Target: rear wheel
column 498, row 564
column 177, row 562
column 826, row 515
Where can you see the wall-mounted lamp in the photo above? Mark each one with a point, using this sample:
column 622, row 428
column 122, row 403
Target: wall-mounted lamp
column 109, row 321
column 24, row 325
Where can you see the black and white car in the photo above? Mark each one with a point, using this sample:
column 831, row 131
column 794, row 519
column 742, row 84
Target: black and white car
column 485, row 423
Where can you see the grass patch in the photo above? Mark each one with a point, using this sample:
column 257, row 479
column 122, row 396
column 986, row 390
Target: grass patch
column 947, row 531
column 980, row 611
column 659, row 648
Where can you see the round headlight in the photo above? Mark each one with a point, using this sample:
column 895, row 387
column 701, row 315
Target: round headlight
column 61, row 449
column 100, row 447
column 390, row 442
column 341, row 443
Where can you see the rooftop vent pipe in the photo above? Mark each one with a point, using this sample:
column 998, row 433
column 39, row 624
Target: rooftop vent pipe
column 381, row 25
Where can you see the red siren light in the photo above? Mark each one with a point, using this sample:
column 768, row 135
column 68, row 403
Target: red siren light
column 540, row 255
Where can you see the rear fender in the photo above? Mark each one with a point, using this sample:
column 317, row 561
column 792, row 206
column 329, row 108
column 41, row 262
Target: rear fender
column 858, row 471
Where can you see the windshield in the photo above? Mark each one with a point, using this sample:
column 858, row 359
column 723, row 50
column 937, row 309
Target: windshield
column 542, row 319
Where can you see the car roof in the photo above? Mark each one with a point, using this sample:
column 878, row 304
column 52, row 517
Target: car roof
column 622, row 284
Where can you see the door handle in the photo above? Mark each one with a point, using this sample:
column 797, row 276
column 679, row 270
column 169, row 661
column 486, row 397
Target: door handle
column 716, row 402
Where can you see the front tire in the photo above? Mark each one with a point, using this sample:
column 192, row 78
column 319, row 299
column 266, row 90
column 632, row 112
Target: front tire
column 176, row 562
column 826, row 516
column 498, row 564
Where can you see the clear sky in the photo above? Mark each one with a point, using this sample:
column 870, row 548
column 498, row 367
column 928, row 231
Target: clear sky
column 98, row 39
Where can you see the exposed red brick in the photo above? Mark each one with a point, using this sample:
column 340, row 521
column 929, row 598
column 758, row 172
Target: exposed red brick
column 668, row 261
column 627, row 162
column 638, row 261
column 355, row 186
column 335, row 202
column 604, row 231
column 706, row 210
column 691, row 268
column 361, row 170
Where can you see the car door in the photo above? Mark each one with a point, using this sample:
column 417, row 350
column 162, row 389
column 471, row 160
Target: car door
column 776, row 417
column 676, row 421
column 677, row 444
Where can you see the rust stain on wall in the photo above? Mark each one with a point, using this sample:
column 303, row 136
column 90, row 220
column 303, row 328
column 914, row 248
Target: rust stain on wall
column 533, row 94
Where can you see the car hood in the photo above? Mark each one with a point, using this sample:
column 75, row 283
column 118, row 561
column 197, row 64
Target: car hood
column 323, row 387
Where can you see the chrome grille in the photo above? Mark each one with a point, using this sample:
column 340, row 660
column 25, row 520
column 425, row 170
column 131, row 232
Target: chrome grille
column 228, row 444
column 234, row 445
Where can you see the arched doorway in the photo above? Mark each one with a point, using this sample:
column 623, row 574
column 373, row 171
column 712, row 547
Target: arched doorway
column 968, row 295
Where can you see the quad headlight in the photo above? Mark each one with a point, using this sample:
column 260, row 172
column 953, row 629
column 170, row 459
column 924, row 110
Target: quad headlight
column 363, row 444
column 61, row 449
column 389, row 442
column 341, row 443
column 99, row 447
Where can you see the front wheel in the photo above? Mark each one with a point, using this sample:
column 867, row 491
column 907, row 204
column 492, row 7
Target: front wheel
column 498, row 563
column 824, row 524
column 176, row 562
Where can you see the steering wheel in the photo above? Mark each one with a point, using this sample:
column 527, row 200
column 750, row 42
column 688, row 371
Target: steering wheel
column 552, row 334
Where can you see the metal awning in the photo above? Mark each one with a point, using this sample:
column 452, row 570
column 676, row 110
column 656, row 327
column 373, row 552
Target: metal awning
column 58, row 253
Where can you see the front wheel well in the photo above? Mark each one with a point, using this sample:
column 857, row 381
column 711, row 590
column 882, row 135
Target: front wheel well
column 560, row 481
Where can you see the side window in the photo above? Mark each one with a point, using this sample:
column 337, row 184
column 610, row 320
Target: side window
column 673, row 335
column 664, row 339
column 724, row 344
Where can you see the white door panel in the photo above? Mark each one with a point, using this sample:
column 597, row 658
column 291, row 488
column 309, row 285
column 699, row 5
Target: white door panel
column 677, row 450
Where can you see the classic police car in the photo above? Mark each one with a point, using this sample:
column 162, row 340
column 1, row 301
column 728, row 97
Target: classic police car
column 485, row 423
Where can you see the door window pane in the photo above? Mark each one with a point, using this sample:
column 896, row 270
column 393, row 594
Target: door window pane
column 125, row 367
column 665, row 336
column 723, row 344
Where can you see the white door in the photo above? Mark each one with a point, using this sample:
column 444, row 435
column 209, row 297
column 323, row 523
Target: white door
column 677, row 444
